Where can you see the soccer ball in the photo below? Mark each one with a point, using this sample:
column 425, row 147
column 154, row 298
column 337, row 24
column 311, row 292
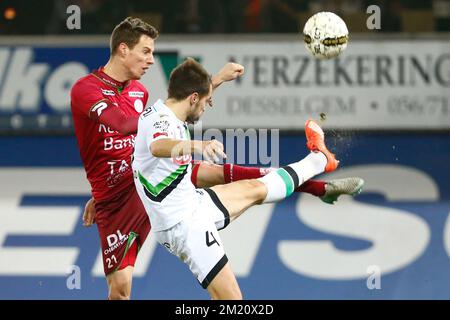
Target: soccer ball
column 325, row 35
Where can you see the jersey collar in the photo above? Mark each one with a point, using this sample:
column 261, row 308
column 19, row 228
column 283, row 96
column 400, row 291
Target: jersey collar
column 161, row 106
column 99, row 73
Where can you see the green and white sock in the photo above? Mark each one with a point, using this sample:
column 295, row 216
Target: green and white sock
column 281, row 183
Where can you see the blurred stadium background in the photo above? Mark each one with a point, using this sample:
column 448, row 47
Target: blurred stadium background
column 387, row 107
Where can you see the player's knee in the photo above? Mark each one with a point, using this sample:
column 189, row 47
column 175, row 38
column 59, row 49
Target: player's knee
column 230, row 294
column 225, row 287
column 237, row 295
column 214, row 173
column 118, row 296
column 119, row 292
column 120, row 288
column 258, row 190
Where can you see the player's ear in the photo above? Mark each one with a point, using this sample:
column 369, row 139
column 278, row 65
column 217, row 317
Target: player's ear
column 123, row 49
column 194, row 98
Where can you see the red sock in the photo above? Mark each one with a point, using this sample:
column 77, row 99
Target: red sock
column 314, row 187
column 232, row 172
column 195, row 166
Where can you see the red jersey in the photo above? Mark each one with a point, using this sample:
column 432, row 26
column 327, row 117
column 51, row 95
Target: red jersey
column 106, row 153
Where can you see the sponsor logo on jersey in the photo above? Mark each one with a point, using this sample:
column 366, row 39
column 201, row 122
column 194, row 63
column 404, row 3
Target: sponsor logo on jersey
column 136, row 94
column 108, row 92
column 99, row 107
column 115, row 240
column 181, row 160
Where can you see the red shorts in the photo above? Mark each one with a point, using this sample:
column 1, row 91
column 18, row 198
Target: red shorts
column 123, row 226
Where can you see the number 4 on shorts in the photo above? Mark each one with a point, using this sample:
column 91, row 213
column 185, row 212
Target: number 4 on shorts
column 209, row 243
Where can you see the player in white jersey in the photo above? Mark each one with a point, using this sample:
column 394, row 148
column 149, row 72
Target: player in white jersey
column 166, row 181
column 186, row 220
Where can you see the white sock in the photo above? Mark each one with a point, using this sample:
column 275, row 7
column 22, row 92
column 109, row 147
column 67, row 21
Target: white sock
column 311, row 165
column 282, row 182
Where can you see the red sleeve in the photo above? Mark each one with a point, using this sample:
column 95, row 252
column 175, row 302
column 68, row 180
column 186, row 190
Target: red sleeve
column 86, row 98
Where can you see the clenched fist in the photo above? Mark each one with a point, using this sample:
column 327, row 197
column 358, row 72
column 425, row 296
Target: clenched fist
column 229, row 71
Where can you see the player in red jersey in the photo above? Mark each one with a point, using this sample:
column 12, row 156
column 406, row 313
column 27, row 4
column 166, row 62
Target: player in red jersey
column 105, row 107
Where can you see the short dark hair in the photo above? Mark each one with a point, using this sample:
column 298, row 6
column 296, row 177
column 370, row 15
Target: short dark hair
column 187, row 78
column 129, row 31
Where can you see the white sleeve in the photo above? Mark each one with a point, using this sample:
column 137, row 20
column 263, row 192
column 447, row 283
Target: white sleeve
column 159, row 127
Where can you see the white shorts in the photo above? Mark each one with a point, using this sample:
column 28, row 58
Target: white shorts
column 196, row 241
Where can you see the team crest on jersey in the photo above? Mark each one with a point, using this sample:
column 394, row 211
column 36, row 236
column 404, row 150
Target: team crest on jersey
column 136, row 94
column 162, row 125
column 108, row 92
column 138, row 105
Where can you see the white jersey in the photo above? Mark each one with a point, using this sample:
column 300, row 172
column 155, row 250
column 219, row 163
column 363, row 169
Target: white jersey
column 163, row 184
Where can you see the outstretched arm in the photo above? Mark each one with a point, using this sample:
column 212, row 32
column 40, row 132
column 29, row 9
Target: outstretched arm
column 116, row 119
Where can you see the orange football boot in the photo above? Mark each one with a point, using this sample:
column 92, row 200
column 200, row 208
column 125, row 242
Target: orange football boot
column 315, row 141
